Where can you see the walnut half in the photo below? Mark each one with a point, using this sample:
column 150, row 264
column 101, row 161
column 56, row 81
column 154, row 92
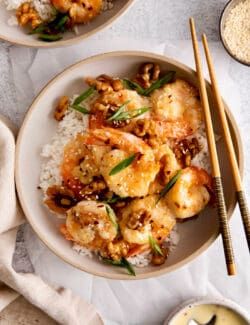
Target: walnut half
column 26, row 13
column 105, row 83
column 148, row 74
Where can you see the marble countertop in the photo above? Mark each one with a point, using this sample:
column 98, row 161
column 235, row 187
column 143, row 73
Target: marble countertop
column 161, row 21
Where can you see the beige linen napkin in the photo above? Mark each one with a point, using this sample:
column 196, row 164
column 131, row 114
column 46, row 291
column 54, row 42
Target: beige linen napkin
column 60, row 304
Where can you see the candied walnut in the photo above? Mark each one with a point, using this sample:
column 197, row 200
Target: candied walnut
column 26, row 13
column 94, row 187
column 105, row 83
column 137, row 219
column 116, row 250
column 185, row 150
column 61, row 108
column 148, row 73
column 158, row 259
column 60, row 199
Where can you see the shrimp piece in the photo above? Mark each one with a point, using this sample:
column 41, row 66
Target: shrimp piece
column 143, row 218
column 135, row 179
column 108, row 102
column 80, row 163
column 80, row 11
column 168, row 168
column 190, row 194
column 89, row 224
column 178, row 101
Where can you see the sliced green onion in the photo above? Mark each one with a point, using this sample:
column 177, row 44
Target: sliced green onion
column 114, row 199
column 129, row 115
column 118, row 112
column 110, row 212
column 123, row 164
column 133, row 85
column 84, row 95
column 155, row 246
column 123, row 262
column 40, row 28
column 159, row 83
column 81, row 109
column 49, row 38
column 62, row 22
column 169, row 185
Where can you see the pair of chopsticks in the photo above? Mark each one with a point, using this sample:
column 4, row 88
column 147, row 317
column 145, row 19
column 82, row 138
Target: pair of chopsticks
column 217, row 181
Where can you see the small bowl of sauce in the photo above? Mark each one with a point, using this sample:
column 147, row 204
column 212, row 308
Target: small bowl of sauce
column 202, row 311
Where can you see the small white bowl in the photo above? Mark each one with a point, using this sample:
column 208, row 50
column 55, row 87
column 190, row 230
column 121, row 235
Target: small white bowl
column 225, row 13
column 188, row 305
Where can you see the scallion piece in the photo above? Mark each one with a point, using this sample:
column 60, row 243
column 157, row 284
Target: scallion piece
column 114, row 199
column 110, row 212
column 118, row 112
column 123, row 164
column 129, row 115
column 155, row 246
column 49, row 38
column 84, row 96
column 81, row 109
column 169, row 185
column 123, row 262
column 159, row 83
column 133, row 85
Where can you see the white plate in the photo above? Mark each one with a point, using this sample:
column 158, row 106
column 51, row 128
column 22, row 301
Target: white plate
column 38, row 128
column 19, row 35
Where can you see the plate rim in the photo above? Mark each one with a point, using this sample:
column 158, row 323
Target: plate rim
column 120, row 276
column 71, row 41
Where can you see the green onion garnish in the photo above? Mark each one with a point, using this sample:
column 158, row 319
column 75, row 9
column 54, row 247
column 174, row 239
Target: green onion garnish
column 40, row 28
column 110, row 212
column 118, row 112
column 155, row 246
column 129, row 115
column 114, row 199
column 159, row 83
column 123, row 262
column 84, row 95
column 61, row 23
column 123, row 164
column 169, row 185
column 49, row 38
column 81, row 109
column 133, row 85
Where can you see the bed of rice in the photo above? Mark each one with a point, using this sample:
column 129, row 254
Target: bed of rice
column 44, row 8
column 52, row 154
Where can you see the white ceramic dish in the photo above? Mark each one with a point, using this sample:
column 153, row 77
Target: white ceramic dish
column 19, row 35
column 38, row 129
column 188, row 305
column 225, row 13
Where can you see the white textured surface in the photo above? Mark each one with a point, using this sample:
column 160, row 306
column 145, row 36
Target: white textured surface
column 144, row 301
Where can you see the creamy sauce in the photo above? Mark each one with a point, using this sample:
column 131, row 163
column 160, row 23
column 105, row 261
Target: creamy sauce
column 203, row 313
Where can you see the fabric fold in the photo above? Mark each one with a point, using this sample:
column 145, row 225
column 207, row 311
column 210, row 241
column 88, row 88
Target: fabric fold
column 60, row 304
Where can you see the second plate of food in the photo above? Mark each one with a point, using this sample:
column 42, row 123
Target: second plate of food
column 112, row 166
column 54, row 23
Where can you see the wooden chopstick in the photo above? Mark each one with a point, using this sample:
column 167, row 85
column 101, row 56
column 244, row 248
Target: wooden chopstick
column 220, row 201
column 229, row 144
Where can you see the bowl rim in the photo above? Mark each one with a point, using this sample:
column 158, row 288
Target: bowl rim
column 119, row 276
column 206, row 300
column 222, row 17
column 71, row 41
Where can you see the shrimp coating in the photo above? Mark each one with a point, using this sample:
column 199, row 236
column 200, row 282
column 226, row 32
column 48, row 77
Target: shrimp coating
column 168, row 168
column 178, row 101
column 89, row 224
column 81, row 162
column 135, row 179
column 80, row 11
column 190, row 194
column 143, row 218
